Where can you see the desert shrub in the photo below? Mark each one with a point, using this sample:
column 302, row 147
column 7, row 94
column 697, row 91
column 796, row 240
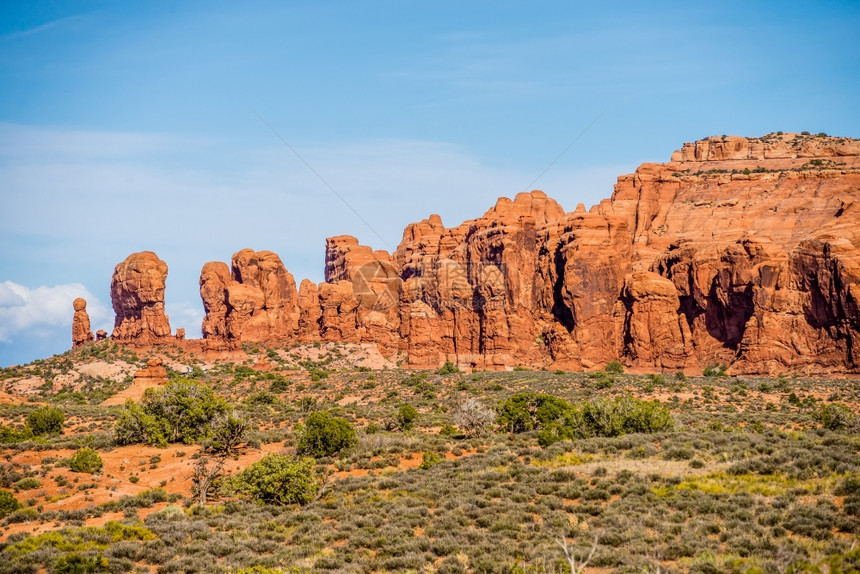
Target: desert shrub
column 715, row 370
column 845, row 563
column 278, row 479
column 279, row 384
column 835, row 416
column 556, row 420
column 136, row 425
column 473, row 417
column 642, row 416
column 227, row 431
column 46, row 420
column 86, row 460
column 529, row 411
column 181, row 411
column 75, row 563
column 10, row 435
column 448, row 368
column 325, row 435
column 614, row 367
column 8, row 503
column 28, row 483
column 261, row 398
column 406, row 416
column 429, row 459
column 656, row 379
column 848, row 487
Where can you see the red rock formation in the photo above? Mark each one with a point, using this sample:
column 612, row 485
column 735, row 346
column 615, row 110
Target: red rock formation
column 344, row 256
column 137, row 293
column 255, row 301
column 309, row 311
column 478, row 285
column 740, row 250
column 81, row 333
column 154, row 374
column 338, row 320
column 655, row 335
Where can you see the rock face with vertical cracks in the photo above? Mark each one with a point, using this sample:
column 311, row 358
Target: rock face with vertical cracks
column 742, row 251
column 81, row 331
column 255, row 300
column 137, row 294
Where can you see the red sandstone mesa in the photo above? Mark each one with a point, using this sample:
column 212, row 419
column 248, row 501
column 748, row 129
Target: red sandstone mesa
column 81, row 332
column 742, row 251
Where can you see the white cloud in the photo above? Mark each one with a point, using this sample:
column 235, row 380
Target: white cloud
column 44, row 308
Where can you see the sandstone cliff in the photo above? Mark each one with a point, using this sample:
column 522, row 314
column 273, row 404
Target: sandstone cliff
column 739, row 250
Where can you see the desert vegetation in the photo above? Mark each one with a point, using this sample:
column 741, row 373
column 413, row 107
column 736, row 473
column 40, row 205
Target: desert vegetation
column 261, row 464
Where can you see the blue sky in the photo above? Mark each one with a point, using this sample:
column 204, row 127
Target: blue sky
column 132, row 126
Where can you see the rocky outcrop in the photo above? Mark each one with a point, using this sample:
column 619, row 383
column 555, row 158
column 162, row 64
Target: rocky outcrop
column 344, row 256
column 742, row 251
column 655, row 335
column 81, row 332
column 309, row 311
column 214, row 279
column 255, row 300
column 137, row 293
column 470, row 291
column 152, row 375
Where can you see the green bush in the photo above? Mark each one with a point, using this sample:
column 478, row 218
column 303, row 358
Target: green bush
column 715, row 370
column 406, row 416
column 8, row 503
column 448, row 368
column 261, row 398
column 86, row 460
column 137, row 425
column 181, row 411
column 325, row 435
column 279, row 479
column 556, row 419
column 614, row 367
column 527, row 411
column 28, row 483
column 46, row 420
column 80, row 564
column 835, row 416
column 279, row 385
column 429, row 459
column 10, row 435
